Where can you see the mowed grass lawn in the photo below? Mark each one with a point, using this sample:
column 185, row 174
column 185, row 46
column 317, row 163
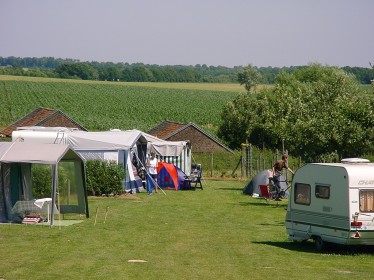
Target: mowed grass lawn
column 215, row 233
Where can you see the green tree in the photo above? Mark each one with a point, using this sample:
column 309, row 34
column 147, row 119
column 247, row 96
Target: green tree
column 82, row 71
column 249, row 77
column 316, row 111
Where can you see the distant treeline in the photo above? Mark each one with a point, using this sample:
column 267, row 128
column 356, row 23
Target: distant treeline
column 139, row 72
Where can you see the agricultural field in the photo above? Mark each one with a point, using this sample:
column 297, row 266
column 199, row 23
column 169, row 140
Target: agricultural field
column 105, row 105
column 99, row 106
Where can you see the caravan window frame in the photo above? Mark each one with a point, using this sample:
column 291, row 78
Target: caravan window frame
column 363, row 197
column 322, row 191
column 302, row 193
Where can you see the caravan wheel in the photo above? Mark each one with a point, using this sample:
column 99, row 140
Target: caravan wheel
column 320, row 244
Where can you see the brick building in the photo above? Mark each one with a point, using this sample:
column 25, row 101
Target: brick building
column 200, row 140
column 42, row 117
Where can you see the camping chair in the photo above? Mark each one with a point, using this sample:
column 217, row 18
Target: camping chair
column 195, row 176
column 266, row 193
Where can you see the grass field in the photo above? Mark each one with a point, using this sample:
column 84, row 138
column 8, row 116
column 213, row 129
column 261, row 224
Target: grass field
column 105, row 105
column 215, row 233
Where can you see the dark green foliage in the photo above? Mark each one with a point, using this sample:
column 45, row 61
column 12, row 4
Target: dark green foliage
column 139, row 72
column 41, row 178
column 318, row 112
column 82, row 71
column 249, row 77
column 104, row 177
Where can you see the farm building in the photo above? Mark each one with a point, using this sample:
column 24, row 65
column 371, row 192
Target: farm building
column 43, row 117
column 200, row 140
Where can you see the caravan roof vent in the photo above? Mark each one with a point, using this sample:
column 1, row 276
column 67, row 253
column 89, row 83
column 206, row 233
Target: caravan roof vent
column 355, row 160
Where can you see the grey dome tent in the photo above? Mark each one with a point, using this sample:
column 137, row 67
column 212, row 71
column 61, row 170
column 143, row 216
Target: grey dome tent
column 262, row 178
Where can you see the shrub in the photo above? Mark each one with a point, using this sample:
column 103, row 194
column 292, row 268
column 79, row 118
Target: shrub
column 104, row 177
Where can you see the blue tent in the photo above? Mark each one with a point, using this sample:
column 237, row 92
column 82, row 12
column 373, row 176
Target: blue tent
column 169, row 176
column 262, row 178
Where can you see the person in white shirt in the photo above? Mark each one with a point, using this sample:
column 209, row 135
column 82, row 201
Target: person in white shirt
column 151, row 165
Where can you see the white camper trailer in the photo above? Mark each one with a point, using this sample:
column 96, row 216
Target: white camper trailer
column 332, row 202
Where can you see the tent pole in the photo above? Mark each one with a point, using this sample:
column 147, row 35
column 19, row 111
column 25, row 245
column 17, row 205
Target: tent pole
column 54, row 187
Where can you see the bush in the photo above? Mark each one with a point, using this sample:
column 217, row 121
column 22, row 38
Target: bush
column 41, row 178
column 104, row 177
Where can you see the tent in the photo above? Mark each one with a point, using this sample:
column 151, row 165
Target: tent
column 17, row 161
column 119, row 146
column 126, row 147
column 175, row 152
column 262, row 178
column 169, row 176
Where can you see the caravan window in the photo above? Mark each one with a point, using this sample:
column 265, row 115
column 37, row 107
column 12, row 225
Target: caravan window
column 302, row 194
column 322, row 191
column 367, row 200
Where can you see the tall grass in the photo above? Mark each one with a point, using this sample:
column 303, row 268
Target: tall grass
column 215, row 233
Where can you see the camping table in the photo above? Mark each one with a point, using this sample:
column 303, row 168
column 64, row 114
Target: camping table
column 33, row 206
column 23, row 206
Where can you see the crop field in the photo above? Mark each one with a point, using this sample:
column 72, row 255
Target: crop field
column 105, row 105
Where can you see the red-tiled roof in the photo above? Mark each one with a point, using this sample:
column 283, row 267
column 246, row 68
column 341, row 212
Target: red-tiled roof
column 165, row 129
column 168, row 129
column 38, row 117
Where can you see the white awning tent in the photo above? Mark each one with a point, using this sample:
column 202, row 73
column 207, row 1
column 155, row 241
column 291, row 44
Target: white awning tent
column 175, row 152
column 120, row 146
column 16, row 161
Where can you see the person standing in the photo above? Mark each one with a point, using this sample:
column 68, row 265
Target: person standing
column 151, row 165
column 278, row 166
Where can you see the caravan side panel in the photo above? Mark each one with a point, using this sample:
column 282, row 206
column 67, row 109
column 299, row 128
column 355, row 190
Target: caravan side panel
column 312, row 213
column 334, row 197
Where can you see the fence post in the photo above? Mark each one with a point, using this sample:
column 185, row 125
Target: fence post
column 242, row 163
column 211, row 166
column 250, row 160
column 246, row 160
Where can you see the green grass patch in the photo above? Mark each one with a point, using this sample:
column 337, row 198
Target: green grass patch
column 215, row 233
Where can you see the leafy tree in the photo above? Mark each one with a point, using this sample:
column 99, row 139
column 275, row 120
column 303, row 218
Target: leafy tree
column 82, row 71
column 142, row 74
column 110, row 74
column 249, row 77
column 316, row 111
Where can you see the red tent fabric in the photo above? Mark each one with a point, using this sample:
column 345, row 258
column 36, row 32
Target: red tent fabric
column 169, row 176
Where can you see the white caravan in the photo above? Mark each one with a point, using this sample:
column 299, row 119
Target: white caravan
column 332, row 202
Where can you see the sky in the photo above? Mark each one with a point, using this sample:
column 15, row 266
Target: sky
column 227, row 33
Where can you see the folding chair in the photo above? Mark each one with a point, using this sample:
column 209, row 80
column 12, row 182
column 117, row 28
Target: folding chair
column 195, row 176
column 266, row 193
column 186, row 183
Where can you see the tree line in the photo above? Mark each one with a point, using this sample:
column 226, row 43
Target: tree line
column 139, row 72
